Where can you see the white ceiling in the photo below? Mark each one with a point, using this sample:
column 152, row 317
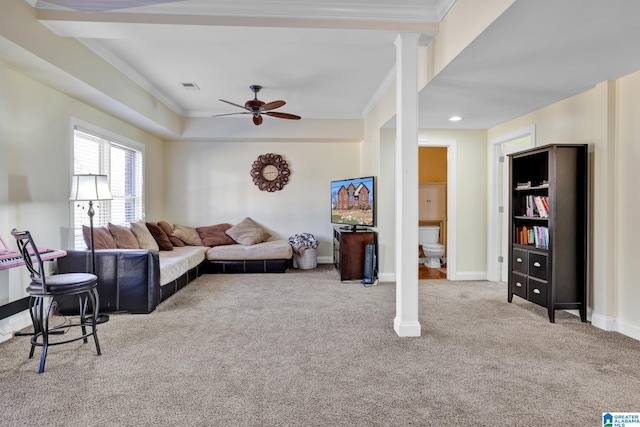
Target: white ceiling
column 536, row 53
column 326, row 59
column 330, row 59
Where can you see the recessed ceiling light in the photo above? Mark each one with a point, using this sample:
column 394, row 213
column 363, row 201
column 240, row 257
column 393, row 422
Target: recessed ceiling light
column 455, row 118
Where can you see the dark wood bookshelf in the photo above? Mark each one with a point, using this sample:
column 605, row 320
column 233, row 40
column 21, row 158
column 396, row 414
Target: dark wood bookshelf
column 552, row 274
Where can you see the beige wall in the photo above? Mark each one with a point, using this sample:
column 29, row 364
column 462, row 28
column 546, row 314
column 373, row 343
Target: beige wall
column 605, row 118
column 35, row 143
column 378, row 160
column 627, row 178
column 209, row 183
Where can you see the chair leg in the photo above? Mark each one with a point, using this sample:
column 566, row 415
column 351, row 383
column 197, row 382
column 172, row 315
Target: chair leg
column 44, row 318
column 82, row 304
column 95, row 302
column 33, row 312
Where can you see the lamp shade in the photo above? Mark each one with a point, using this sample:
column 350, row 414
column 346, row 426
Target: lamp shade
column 90, row 187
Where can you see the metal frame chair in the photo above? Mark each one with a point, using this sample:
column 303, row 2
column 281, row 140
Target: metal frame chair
column 43, row 288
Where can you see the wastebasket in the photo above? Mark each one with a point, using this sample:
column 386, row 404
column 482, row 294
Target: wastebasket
column 304, row 251
column 307, row 260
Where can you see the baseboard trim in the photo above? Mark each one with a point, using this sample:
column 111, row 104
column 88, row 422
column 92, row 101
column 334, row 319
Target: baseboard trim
column 613, row 324
column 470, row 276
column 407, row 329
column 606, row 323
column 387, row 277
column 14, row 324
column 628, row 329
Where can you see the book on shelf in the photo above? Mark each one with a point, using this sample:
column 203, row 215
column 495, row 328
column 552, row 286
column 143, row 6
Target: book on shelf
column 537, row 236
column 536, row 206
column 545, row 202
column 524, row 184
column 542, row 210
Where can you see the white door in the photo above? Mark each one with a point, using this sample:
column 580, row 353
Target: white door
column 506, row 148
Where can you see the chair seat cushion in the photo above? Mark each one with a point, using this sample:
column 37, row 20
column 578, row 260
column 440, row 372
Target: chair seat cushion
column 64, row 283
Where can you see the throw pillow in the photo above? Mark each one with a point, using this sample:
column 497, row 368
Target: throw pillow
column 102, row 238
column 160, row 236
column 247, row 232
column 189, row 235
column 142, row 233
column 124, row 237
column 167, row 229
column 214, row 235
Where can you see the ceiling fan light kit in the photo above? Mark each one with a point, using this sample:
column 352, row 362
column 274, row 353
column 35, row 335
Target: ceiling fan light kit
column 257, row 108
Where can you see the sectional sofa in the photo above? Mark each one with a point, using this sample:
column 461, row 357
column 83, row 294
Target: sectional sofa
column 136, row 280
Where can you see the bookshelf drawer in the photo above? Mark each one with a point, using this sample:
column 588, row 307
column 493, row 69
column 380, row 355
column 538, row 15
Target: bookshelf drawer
column 520, row 261
column 538, row 265
column 519, row 285
column 537, row 292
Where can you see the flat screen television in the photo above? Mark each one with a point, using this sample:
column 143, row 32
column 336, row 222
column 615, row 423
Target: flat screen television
column 352, row 202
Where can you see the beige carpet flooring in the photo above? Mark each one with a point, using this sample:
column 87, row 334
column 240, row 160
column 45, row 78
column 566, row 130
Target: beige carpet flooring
column 304, row 349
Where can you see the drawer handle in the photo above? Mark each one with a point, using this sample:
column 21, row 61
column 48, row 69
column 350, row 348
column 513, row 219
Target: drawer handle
column 536, row 264
column 518, row 284
column 536, row 291
column 519, row 259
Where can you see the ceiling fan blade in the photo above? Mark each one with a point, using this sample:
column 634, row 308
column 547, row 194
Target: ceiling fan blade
column 231, row 114
column 234, row 104
column 273, row 105
column 282, row 115
column 257, row 119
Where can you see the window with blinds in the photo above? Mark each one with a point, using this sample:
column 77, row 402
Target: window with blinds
column 122, row 163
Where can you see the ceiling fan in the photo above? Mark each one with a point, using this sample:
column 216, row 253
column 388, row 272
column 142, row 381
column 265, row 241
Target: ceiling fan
column 102, row 5
column 257, row 108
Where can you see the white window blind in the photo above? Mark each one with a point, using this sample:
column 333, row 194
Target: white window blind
column 122, row 163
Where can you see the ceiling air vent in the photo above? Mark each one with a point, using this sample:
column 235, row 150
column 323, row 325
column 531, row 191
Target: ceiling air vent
column 190, row 86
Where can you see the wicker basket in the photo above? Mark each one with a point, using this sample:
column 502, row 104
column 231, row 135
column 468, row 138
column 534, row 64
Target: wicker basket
column 306, row 261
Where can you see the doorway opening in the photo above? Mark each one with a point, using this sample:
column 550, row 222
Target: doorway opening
column 436, row 209
column 499, row 199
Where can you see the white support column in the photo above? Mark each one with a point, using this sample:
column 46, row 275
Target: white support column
column 406, row 322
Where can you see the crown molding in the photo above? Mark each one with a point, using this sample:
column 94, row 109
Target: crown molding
column 423, row 11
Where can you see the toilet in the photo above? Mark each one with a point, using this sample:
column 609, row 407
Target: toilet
column 428, row 237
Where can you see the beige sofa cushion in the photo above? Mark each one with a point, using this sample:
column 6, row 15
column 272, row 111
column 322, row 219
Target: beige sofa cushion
column 247, row 232
column 189, row 235
column 142, row 233
column 175, row 263
column 274, row 249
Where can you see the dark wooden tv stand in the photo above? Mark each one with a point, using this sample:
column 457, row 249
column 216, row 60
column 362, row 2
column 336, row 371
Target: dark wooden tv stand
column 348, row 251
